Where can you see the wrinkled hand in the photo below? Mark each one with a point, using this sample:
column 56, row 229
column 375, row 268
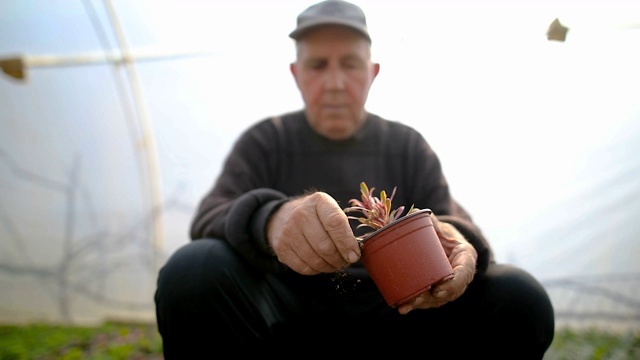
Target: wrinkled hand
column 462, row 256
column 312, row 235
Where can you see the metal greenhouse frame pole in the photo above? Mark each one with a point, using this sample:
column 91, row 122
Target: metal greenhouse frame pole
column 17, row 68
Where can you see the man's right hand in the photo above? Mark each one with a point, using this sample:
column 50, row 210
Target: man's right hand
column 312, row 235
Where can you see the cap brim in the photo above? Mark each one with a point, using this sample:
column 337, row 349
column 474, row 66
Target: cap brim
column 302, row 30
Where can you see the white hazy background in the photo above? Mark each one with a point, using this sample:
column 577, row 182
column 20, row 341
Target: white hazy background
column 539, row 138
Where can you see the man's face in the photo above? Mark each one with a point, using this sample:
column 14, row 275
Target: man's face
column 334, row 73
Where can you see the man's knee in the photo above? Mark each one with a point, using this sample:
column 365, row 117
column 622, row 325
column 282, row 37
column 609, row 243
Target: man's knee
column 194, row 267
column 515, row 284
column 523, row 302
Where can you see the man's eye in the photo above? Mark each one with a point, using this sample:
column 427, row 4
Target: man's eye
column 351, row 65
column 317, row 65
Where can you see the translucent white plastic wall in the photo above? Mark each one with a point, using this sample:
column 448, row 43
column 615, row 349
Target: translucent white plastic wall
column 102, row 164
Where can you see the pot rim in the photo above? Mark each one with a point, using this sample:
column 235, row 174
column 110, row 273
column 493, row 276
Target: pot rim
column 402, row 218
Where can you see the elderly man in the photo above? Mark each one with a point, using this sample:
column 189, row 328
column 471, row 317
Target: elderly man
column 274, row 263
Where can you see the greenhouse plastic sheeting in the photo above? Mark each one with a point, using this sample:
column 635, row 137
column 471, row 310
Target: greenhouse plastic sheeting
column 104, row 157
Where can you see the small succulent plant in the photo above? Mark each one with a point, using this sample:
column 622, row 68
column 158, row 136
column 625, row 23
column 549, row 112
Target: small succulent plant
column 375, row 212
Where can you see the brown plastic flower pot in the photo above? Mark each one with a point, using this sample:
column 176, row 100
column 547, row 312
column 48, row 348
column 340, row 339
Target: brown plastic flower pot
column 406, row 257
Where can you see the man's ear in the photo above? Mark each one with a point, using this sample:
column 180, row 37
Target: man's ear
column 376, row 69
column 293, row 67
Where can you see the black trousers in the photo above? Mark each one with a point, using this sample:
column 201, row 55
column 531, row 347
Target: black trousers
column 210, row 303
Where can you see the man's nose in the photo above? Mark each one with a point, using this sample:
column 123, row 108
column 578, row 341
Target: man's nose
column 334, row 79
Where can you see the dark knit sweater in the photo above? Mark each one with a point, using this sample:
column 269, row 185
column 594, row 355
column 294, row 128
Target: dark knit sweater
column 279, row 158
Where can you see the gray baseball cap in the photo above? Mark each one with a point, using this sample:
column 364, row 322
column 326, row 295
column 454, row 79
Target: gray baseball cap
column 331, row 12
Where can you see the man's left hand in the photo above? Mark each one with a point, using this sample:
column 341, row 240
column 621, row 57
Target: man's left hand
column 462, row 256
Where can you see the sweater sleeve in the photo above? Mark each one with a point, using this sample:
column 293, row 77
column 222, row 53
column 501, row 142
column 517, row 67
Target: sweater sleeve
column 471, row 232
column 241, row 201
column 246, row 224
column 431, row 190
